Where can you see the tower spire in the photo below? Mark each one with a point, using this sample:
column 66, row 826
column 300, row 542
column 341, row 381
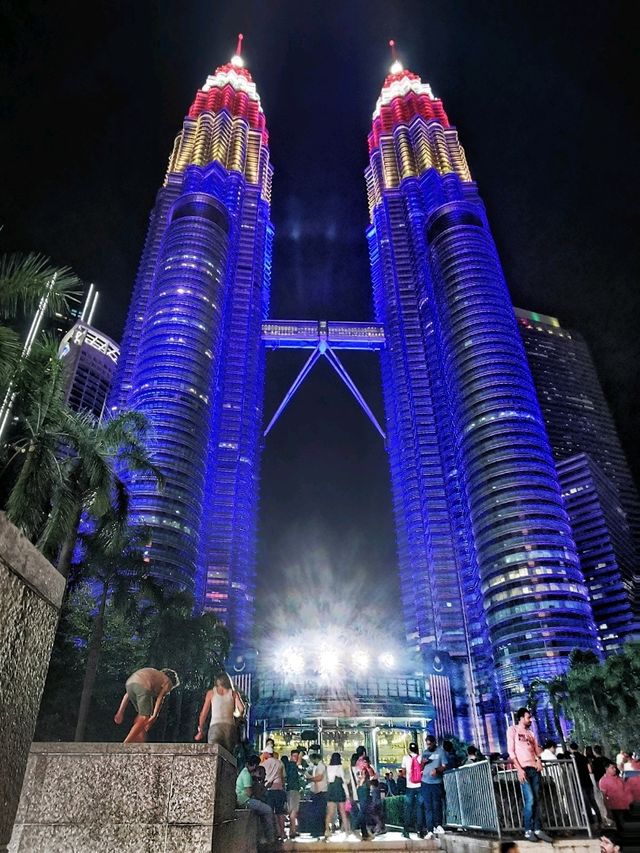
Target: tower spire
column 237, row 59
column 396, row 65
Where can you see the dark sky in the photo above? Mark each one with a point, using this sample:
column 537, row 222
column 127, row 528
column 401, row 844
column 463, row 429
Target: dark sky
column 543, row 95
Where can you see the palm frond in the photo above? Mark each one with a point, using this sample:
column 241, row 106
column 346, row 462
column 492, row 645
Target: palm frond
column 10, row 347
column 25, row 279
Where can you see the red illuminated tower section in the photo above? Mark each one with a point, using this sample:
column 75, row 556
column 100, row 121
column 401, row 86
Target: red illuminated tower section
column 192, row 358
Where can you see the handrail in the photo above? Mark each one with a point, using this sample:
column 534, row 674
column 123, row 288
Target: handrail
column 488, row 797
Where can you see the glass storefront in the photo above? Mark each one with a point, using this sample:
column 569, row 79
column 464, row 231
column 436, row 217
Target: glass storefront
column 386, row 741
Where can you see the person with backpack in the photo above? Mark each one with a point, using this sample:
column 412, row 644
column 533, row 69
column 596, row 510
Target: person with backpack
column 361, row 774
column 412, row 767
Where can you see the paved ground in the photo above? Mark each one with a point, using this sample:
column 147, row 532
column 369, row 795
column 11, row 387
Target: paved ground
column 387, row 843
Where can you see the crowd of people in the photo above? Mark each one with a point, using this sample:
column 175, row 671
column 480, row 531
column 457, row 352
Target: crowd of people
column 348, row 796
column 343, row 797
column 617, row 781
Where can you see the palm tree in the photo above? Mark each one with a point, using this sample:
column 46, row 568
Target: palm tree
column 33, row 455
column 91, row 482
column 28, row 283
column 556, row 690
column 26, row 278
column 115, row 565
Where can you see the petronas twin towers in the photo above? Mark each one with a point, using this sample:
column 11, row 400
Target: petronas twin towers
column 489, row 575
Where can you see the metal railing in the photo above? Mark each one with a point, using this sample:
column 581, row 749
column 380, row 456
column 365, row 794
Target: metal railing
column 488, row 797
column 470, row 798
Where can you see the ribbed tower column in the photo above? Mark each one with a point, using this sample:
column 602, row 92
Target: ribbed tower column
column 488, row 567
column 173, row 381
column 192, row 356
column 534, row 596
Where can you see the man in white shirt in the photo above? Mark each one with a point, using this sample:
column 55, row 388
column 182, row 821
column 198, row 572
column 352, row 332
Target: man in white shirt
column 413, row 771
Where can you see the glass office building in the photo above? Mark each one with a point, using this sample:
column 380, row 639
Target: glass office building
column 605, row 548
column 581, row 427
column 90, row 360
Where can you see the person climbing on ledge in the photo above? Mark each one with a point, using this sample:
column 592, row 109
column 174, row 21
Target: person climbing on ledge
column 146, row 689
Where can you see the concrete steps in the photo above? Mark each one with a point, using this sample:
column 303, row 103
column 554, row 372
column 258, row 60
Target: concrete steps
column 388, row 843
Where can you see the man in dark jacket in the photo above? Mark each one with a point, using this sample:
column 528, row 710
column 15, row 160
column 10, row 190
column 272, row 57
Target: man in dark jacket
column 586, row 783
column 599, row 763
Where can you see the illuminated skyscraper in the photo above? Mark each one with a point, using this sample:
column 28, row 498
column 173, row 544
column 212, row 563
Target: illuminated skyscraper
column 605, row 548
column 576, row 413
column 489, row 571
column 89, row 359
column 192, row 358
column 579, row 423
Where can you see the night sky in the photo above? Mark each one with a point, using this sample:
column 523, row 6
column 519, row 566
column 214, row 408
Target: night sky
column 545, row 103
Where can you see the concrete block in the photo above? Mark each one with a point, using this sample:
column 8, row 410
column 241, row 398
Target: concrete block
column 130, row 798
column 31, row 591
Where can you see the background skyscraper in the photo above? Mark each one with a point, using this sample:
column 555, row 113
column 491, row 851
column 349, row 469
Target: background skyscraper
column 90, row 360
column 484, row 542
column 576, row 413
column 192, row 359
column 586, row 446
column 605, row 548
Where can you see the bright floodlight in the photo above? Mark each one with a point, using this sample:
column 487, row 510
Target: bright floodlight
column 396, row 68
column 329, row 662
column 360, row 660
column 386, row 660
column 238, row 61
column 290, row 661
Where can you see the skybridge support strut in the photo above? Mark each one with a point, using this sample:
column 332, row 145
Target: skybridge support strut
column 322, row 348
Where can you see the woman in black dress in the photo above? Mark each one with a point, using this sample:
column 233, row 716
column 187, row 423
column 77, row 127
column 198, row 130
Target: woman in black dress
column 336, row 795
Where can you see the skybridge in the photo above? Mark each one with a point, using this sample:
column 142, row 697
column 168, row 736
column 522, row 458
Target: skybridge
column 324, row 338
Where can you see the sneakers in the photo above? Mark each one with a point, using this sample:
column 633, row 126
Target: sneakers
column 439, row 830
column 530, row 836
column 543, row 836
column 405, row 834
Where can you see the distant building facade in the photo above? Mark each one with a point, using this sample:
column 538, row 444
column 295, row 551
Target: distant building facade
column 605, row 547
column 579, row 421
column 90, row 360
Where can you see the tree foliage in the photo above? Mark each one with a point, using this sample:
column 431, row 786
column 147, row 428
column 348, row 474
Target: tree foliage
column 603, row 699
column 155, row 628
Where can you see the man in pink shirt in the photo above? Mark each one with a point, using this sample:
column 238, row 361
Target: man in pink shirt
column 617, row 797
column 632, row 785
column 524, row 752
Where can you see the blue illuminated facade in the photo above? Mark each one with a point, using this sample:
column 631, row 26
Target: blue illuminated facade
column 492, row 591
column 488, row 566
column 192, row 357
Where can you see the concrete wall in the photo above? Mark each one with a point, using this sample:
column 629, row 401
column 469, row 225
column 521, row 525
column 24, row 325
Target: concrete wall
column 160, row 798
column 31, row 593
column 466, row 843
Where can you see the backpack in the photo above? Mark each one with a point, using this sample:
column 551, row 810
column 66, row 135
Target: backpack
column 416, row 770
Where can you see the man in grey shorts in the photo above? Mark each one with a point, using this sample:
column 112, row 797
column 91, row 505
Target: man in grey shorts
column 146, row 689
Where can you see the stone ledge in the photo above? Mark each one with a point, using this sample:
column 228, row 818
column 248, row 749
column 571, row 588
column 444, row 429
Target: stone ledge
column 130, row 798
column 24, row 560
column 102, row 748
